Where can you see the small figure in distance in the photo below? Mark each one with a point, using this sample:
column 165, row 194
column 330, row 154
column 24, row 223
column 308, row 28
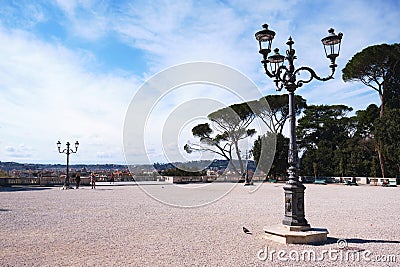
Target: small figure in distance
column 78, row 180
column 93, row 180
column 112, row 178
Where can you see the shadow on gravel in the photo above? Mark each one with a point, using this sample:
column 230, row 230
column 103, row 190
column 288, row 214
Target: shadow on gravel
column 4, row 210
column 333, row 240
column 103, row 189
column 22, row 188
column 364, row 241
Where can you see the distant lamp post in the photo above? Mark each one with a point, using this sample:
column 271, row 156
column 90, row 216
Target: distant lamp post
column 67, row 151
column 286, row 77
column 247, row 180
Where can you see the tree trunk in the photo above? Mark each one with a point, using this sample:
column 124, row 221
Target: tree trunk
column 378, row 146
column 381, row 159
column 382, row 105
column 239, row 157
column 398, row 167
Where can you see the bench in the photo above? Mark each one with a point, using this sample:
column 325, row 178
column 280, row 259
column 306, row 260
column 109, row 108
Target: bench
column 348, row 182
column 272, row 180
column 320, row 181
column 389, row 183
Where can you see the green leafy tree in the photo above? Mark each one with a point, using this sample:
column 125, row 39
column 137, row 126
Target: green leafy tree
column 364, row 145
column 232, row 124
column 387, row 131
column 218, row 144
column 334, row 144
column 273, row 110
column 279, row 159
column 355, row 158
column 318, row 161
column 276, row 113
column 321, row 132
column 323, row 123
column 376, row 67
column 365, row 121
column 392, row 99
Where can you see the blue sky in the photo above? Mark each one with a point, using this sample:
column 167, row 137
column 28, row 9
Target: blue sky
column 69, row 68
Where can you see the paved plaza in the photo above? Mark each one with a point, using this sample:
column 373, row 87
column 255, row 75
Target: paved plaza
column 125, row 225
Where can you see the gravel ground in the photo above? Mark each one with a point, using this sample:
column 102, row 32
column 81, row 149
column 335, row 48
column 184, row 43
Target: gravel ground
column 122, row 225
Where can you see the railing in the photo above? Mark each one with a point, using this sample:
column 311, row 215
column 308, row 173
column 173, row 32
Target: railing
column 19, row 181
column 206, row 179
column 54, row 181
column 44, row 181
column 357, row 179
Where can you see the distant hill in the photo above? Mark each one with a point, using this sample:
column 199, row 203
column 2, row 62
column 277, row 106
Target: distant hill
column 199, row 165
column 7, row 166
column 216, row 164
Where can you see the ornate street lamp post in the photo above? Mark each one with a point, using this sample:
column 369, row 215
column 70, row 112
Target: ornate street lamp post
column 286, row 77
column 67, row 151
column 247, row 180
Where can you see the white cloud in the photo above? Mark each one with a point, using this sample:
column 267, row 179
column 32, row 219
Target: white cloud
column 10, row 149
column 51, row 95
column 85, row 18
column 19, row 152
column 198, row 31
column 22, row 14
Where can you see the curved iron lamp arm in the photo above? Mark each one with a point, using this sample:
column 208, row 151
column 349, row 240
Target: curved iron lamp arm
column 313, row 75
column 265, row 64
column 284, row 77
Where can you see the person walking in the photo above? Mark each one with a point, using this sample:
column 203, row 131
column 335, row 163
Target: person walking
column 77, row 180
column 112, row 178
column 93, row 180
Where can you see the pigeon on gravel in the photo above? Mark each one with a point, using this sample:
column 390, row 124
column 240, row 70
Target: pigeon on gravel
column 246, row 231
